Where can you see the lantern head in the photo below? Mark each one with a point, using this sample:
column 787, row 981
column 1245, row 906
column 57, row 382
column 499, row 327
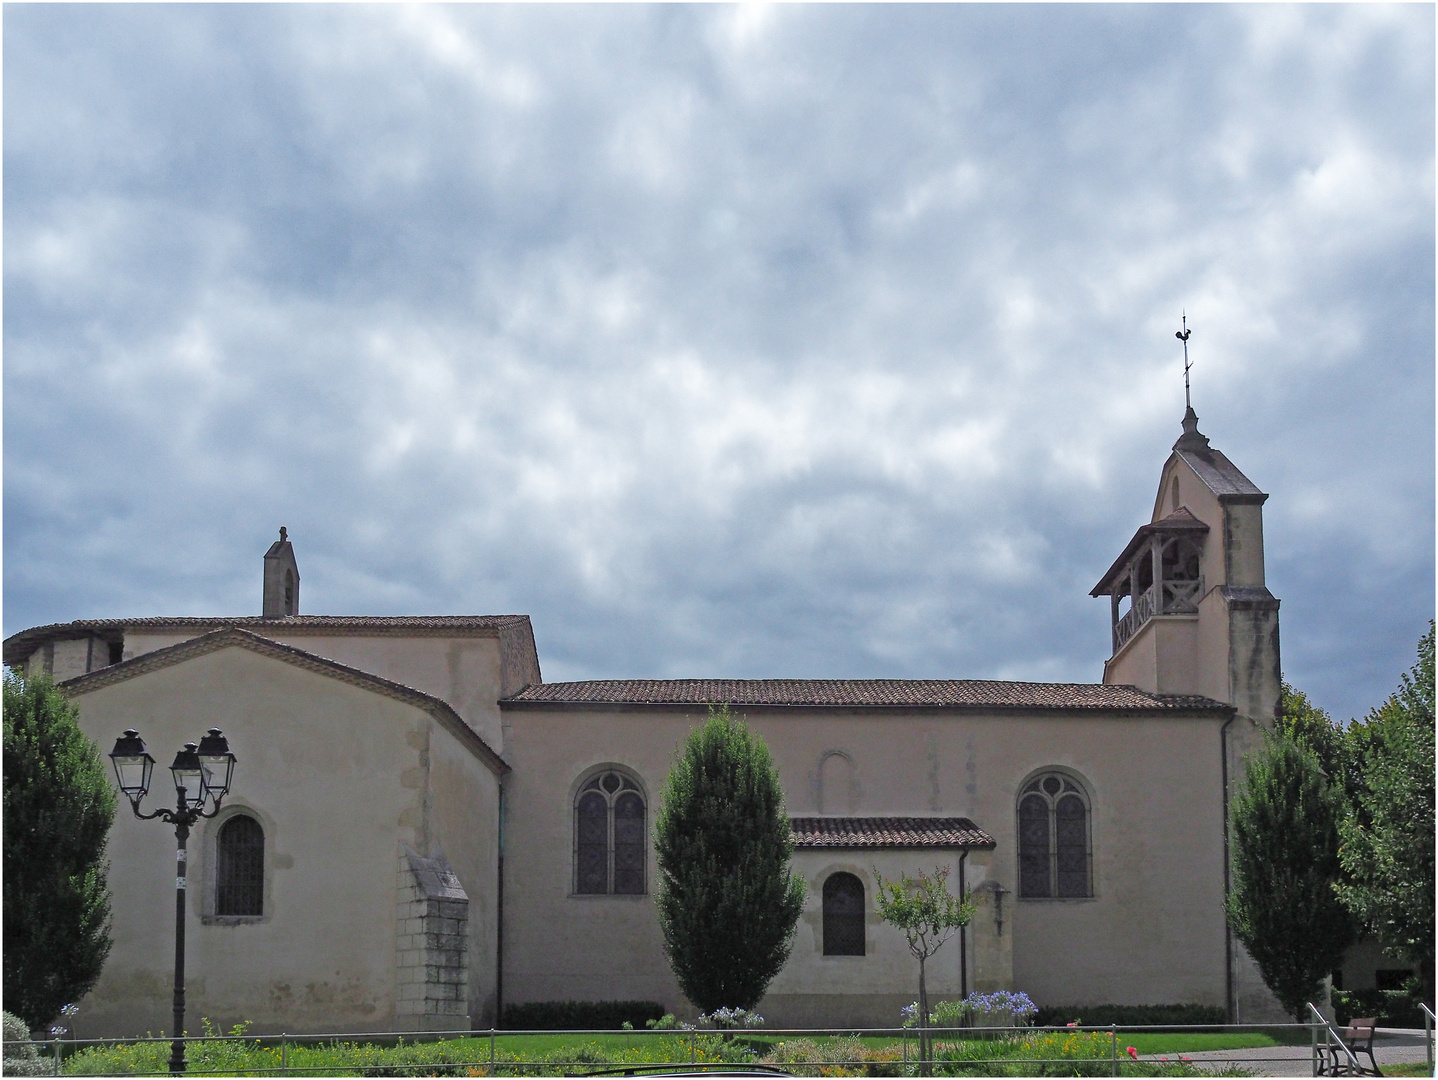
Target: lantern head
column 133, row 765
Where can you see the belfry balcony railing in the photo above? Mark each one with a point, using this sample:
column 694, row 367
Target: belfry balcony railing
column 1179, row 598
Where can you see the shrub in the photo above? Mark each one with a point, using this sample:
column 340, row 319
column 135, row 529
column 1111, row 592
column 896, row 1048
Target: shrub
column 730, row 1019
column 1394, row 1008
column 580, row 1015
column 845, row 1056
column 1002, row 1008
column 1129, row 1015
column 22, row 1057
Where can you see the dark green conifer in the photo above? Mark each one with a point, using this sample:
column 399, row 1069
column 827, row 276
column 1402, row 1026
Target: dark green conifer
column 58, row 809
column 728, row 902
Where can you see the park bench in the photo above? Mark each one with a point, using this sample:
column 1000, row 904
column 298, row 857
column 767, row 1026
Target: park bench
column 1358, row 1037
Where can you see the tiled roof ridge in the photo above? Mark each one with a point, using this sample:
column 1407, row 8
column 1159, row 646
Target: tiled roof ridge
column 990, row 693
column 234, row 636
column 20, row 644
column 888, row 831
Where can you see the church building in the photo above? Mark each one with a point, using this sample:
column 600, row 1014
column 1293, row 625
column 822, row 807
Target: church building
column 422, row 830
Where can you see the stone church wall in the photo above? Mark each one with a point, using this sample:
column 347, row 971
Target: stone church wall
column 337, row 776
column 1151, row 933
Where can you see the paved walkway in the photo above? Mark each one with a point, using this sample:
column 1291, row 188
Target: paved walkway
column 1391, row 1047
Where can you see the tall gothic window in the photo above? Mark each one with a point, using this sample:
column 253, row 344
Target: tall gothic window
column 843, row 915
column 609, row 848
column 240, row 867
column 1055, row 841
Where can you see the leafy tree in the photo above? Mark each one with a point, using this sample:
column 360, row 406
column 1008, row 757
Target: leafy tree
column 1283, row 907
column 1305, row 722
column 58, row 807
column 728, row 903
column 928, row 914
column 1387, row 837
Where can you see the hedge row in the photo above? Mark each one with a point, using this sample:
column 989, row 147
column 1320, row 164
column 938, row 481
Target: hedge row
column 1129, row 1015
column 579, row 1015
column 1394, row 1008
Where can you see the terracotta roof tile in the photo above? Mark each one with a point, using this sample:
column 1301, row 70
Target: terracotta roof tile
column 888, row 832
column 876, row 693
column 18, row 646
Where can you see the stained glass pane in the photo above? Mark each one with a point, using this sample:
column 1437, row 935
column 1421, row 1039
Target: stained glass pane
column 843, row 916
column 1034, row 847
column 1071, row 820
column 629, row 844
column 592, row 854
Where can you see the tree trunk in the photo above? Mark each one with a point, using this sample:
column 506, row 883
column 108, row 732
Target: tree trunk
column 924, row 1047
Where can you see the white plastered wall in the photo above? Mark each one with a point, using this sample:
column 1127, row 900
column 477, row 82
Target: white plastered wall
column 1152, row 933
column 338, row 776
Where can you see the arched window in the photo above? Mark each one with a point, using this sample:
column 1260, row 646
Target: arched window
column 843, row 915
column 609, row 849
column 240, row 867
column 1055, row 848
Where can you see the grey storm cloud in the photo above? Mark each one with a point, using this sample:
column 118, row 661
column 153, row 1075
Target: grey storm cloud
column 742, row 341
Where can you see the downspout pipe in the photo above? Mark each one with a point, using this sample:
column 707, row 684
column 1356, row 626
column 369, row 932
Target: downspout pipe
column 499, row 915
column 1228, row 997
column 963, row 932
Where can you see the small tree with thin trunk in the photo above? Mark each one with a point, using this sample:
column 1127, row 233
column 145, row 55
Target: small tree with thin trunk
column 928, row 914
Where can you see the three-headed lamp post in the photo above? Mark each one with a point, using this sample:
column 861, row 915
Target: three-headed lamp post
column 202, row 778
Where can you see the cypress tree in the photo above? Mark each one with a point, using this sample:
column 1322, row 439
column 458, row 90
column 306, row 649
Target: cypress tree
column 728, row 903
column 58, row 808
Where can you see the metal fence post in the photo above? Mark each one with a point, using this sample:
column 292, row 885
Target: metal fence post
column 1427, row 1033
column 691, row 1048
column 284, row 1054
column 491, row 1051
column 1113, row 1046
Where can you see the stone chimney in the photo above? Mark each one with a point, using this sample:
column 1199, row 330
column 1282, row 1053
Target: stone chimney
column 282, row 579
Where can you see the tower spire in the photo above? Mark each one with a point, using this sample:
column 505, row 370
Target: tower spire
column 1182, row 336
column 1192, row 440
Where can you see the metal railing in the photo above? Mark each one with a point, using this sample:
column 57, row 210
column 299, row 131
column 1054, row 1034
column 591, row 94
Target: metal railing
column 1325, row 1056
column 758, row 1051
column 1428, row 1025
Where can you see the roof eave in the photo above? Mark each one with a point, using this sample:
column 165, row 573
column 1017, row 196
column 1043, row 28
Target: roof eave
column 1104, row 586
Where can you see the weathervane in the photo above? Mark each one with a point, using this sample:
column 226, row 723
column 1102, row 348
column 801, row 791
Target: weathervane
column 1182, row 336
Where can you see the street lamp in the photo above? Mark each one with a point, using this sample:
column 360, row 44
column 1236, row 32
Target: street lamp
column 202, row 775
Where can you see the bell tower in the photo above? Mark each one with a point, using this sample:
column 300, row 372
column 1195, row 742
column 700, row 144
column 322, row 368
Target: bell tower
column 1190, row 612
column 282, row 579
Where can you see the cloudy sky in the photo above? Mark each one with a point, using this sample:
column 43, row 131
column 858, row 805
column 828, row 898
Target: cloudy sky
column 742, row 341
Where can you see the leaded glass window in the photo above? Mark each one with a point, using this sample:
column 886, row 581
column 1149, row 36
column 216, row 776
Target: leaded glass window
column 240, row 867
column 1055, row 848
column 610, row 853
column 843, row 915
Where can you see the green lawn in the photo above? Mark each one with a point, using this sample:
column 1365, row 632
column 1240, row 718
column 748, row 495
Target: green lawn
column 548, row 1054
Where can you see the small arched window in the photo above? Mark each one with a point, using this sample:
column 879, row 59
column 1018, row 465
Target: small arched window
column 289, row 592
column 609, row 848
column 240, row 867
column 843, row 915
column 1055, row 845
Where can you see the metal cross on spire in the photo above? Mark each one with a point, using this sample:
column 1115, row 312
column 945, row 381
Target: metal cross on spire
column 1182, row 336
